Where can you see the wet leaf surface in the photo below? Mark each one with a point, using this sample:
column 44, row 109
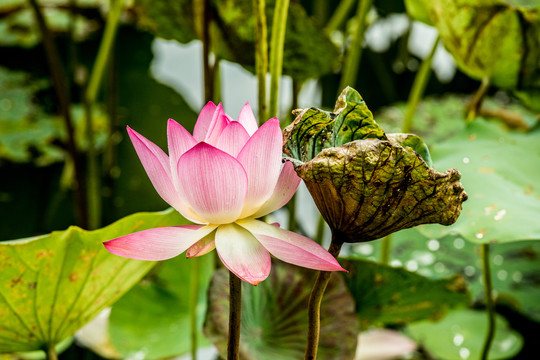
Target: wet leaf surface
column 392, row 296
column 152, row 320
column 461, row 334
column 500, row 171
column 514, row 266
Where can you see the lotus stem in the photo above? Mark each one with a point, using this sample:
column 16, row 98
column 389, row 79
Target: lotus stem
column 279, row 26
column 488, row 294
column 418, row 88
column 235, row 314
column 478, row 98
column 353, row 58
column 291, row 206
column 261, row 56
column 193, row 301
column 104, row 50
column 207, row 70
column 315, row 299
column 93, row 179
column 385, row 249
column 62, row 93
column 339, row 16
column 319, row 236
column 51, row 353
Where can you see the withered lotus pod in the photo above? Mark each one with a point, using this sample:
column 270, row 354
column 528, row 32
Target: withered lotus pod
column 368, row 184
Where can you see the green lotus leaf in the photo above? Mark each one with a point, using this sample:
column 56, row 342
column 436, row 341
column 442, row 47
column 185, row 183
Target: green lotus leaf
column 28, row 134
column 52, row 285
column 385, row 295
column 19, row 28
column 495, row 39
column 461, row 335
column 501, row 169
column 274, row 316
column 152, row 320
column 365, row 183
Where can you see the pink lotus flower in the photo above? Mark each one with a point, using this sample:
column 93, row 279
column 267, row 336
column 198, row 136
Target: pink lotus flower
column 223, row 177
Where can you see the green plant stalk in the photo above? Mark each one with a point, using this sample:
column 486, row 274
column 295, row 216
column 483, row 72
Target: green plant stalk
column 315, row 299
column 319, row 236
column 104, row 50
column 279, row 26
column 193, row 302
column 261, row 56
column 385, row 249
column 62, row 93
column 51, row 353
column 235, row 314
column 477, row 99
column 291, row 206
column 216, row 75
column 207, row 69
column 339, row 16
column 353, row 58
column 488, row 294
column 93, row 176
column 419, row 86
column 320, row 11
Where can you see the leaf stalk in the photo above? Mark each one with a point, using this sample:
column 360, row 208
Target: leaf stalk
column 235, row 315
column 279, row 26
column 315, row 299
column 488, row 294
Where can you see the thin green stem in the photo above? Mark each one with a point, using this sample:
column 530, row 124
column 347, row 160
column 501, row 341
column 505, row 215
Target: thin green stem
column 93, row 176
column 319, row 236
column 261, row 56
column 418, row 88
column 478, row 98
column 104, row 50
column 235, row 314
column 193, row 302
column 488, row 294
column 385, row 249
column 279, row 26
column 353, row 58
column 51, row 353
column 320, row 11
column 62, row 93
column 339, row 16
column 315, row 299
column 207, row 67
column 291, row 206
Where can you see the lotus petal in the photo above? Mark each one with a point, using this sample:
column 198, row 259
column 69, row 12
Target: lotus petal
column 158, row 243
column 213, row 183
column 233, row 138
column 242, row 254
column 157, row 166
column 285, row 188
column 247, row 119
column 291, row 247
column 204, row 121
column 261, row 158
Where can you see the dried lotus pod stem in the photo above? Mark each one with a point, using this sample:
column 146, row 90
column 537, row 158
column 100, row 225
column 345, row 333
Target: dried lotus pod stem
column 367, row 184
column 315, row 299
